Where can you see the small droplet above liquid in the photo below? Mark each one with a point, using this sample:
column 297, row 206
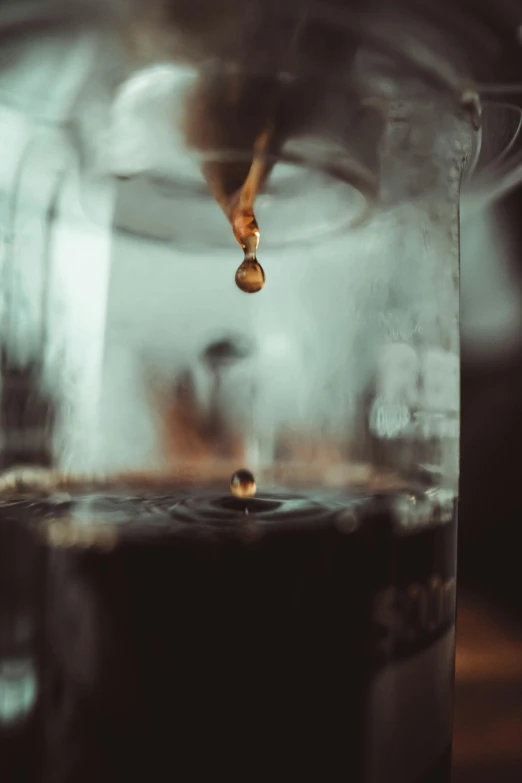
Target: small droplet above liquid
column 243, row 484
column 250, row 276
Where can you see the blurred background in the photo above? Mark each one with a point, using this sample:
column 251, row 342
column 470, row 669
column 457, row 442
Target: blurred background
column 488, row 731
column 488, row 727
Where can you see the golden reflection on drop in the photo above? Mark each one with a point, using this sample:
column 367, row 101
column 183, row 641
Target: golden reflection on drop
column 250, row 276
column 243, row 484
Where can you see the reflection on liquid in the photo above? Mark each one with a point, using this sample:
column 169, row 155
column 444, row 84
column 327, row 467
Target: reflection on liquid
column 18, row 690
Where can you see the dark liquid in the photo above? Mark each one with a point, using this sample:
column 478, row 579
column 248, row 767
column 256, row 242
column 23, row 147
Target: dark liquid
column 250, row 276
column 183, row 640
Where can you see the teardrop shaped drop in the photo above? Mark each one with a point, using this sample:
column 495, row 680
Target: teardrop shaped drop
column 250, row 277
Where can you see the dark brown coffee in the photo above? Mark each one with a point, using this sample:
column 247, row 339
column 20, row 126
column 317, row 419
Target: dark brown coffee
column 185, row 636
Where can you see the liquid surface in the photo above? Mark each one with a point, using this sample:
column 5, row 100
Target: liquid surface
column 170, row 635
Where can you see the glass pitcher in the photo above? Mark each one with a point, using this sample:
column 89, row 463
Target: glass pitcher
column 228, row 491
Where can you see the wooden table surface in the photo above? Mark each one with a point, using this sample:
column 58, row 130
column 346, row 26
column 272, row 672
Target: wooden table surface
column 488, row 710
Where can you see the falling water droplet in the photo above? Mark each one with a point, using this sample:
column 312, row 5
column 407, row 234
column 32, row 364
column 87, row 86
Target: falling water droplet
column 243, row 484
column 250, row 276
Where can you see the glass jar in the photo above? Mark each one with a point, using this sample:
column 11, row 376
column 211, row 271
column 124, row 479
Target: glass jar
column 228, row 520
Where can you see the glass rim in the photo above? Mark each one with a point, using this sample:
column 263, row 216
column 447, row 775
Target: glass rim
column 483, row 183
